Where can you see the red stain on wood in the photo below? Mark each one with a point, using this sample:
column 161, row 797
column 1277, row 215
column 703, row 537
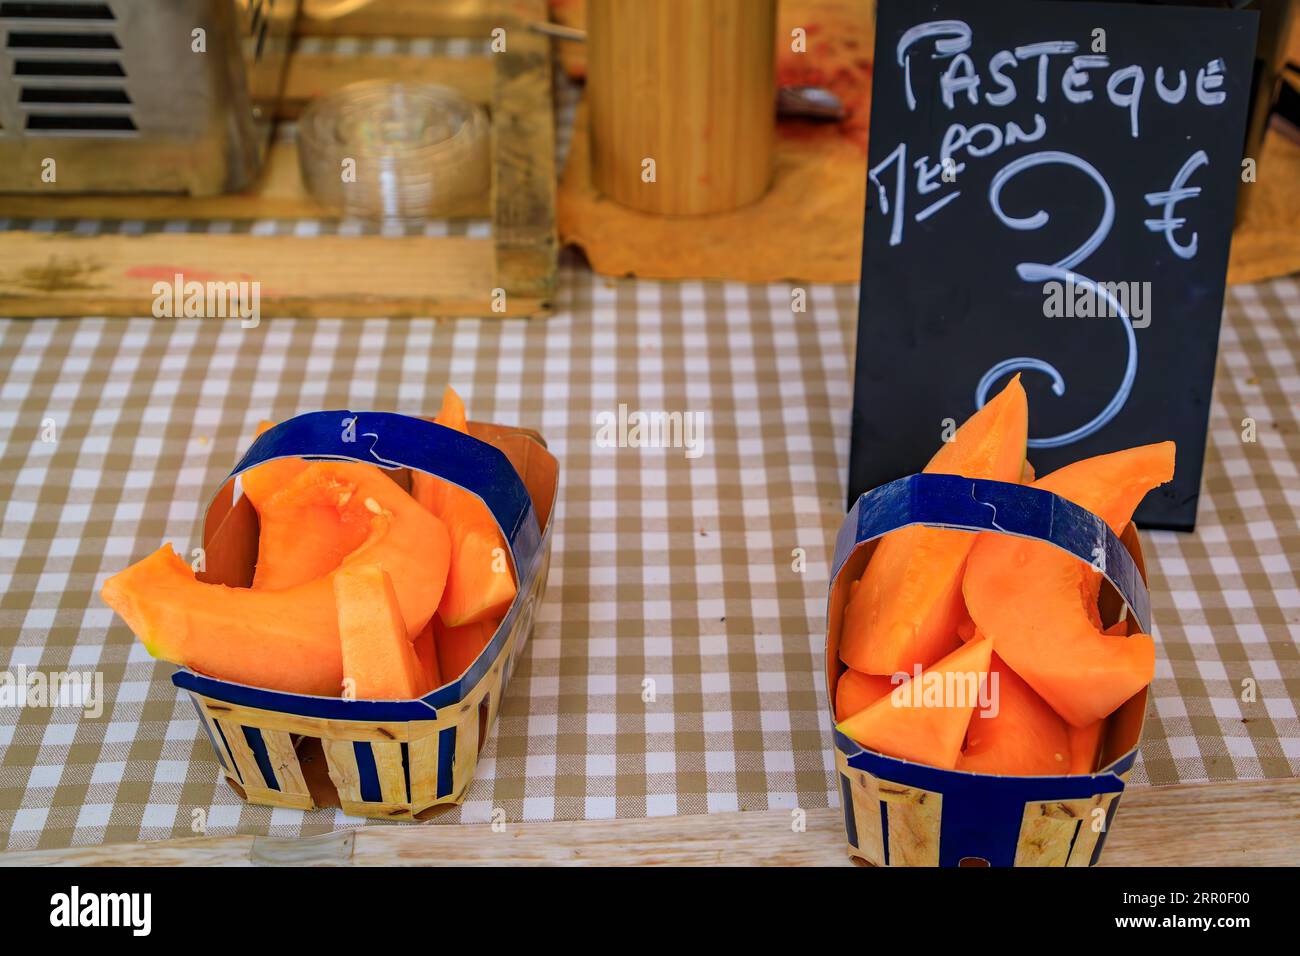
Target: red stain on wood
column 169, row 273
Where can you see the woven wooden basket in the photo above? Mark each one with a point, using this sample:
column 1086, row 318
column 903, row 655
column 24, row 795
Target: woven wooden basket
column 388, row 759
column 900, row 813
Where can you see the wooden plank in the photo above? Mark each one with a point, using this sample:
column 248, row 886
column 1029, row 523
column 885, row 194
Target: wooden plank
column 64, row 275
column 284, row 762
column 466, row 757
column 313, row 726
column 279, row 194
column 222, row 750
column 399, row 18
column 523, row 161
column 866, row 815
column 392, row 775
column 267, row 797
column 327, row 849
column 255, row 787
column 496, row 675
column 422, row 753
column 242, row 754
column 312, row 74
column 341, row 758
column 1091, row 831
column 914, row 816
column 865, row 795
column 1241, row 824
column 1060, row 832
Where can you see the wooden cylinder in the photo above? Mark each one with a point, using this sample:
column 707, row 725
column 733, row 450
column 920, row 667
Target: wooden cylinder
column 682, row 102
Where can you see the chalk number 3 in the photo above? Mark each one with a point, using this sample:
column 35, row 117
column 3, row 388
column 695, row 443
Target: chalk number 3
column 1062, row 271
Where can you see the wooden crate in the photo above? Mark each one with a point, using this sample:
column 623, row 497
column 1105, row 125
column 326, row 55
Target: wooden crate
column 58, row 274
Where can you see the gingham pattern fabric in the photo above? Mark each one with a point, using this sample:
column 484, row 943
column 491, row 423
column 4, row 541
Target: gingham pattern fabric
column 669, row 575
column 665, row 569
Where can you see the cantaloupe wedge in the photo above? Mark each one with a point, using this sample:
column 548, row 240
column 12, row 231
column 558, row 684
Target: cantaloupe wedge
column 1022, row 736
column 311, row 524
column 459, row 647
column 480, row 584
column 910, row 603
column 452, row 412
column 855, row 690
column 284, row 639
column 304, row 545
column 328, row 511
column 427, row 652
column 1039, row 604
column 926, row 723
column 262, row 482
column 379, row 661
column 1086, row 742
column 1085, row 746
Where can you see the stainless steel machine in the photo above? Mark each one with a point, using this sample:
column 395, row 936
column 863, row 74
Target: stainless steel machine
column 172, row 96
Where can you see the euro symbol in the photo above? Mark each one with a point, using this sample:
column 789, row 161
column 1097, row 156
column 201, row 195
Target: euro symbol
column 1178, row 191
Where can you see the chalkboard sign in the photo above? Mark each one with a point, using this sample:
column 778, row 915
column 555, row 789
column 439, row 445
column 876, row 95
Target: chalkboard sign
column 1051, row 191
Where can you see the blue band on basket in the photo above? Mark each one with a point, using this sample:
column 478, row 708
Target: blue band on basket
column 393, row 441
column 973, row 504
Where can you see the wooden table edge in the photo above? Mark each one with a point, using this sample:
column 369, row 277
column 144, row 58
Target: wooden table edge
column 1240, row 823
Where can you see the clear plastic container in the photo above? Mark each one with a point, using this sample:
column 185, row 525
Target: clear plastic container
column 385, row 150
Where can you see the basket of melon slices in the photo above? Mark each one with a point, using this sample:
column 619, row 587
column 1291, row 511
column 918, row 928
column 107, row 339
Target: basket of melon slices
column 989, row 652
column 366, row 583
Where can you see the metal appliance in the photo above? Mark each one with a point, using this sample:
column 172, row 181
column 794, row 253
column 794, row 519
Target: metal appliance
column 168, row 96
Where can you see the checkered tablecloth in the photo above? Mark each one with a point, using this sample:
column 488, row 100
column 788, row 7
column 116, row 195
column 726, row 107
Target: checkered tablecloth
column 665, row 568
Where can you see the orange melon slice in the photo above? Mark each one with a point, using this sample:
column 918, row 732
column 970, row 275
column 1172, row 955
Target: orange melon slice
column 1086, row 742
column 452, row 413
column 328, row 511
column 309, row 526
column 459, row 647
column 1022, row 736
column 910, row 602
column 480, row 584
column 379, row 661
column 428, row 655
column 926, row 723
column 991, row 443
column 281, row 640
column 1039, row 604
column 266, row 479
column 966, row 629
column 285, row 639
column 855, row 690
column 1085, row 746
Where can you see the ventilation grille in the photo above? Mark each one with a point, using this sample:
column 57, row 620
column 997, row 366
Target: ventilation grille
column 67, row 67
